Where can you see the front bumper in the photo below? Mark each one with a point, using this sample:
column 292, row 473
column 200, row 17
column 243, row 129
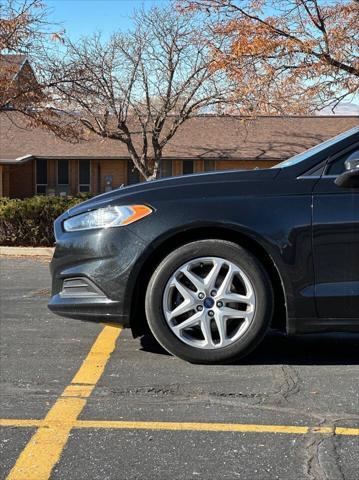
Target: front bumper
column 108, row 261
column 88, row 309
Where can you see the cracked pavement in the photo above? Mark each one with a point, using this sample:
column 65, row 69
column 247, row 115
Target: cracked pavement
column 306, row 380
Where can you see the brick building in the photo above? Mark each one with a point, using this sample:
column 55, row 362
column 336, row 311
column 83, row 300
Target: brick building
column 35, row 161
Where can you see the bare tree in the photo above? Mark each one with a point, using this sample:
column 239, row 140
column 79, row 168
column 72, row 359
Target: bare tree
column 138, row 87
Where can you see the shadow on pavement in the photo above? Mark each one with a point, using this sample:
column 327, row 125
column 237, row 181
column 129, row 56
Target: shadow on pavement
column 277, row 348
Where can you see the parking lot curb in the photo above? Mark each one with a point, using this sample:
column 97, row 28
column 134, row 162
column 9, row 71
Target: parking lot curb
column 27, row 251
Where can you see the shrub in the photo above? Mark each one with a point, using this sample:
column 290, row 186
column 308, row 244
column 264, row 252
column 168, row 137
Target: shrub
column 29, row 222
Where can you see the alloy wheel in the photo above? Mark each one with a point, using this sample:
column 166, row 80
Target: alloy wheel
column 209, row 302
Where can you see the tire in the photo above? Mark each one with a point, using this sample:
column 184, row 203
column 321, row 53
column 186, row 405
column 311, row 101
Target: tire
column 211, row 341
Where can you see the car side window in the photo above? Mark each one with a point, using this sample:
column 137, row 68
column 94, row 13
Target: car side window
column 317, row 171
column 338, row 165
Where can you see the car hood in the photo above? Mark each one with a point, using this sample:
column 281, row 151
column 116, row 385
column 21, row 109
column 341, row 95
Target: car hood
column 129, row 193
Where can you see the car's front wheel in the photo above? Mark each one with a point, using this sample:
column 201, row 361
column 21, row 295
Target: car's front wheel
column 209, row 301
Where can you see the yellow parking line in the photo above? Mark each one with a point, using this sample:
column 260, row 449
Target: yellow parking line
column 95, row 362
column 19, row 422
column 214, row 427
column 346, row 431
column 183, row 426
column 46, row 445
column 189, row 426
column 82, row 391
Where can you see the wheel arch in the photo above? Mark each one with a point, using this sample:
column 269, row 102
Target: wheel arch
column 138, row 322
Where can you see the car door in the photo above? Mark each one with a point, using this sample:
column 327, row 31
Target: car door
column 336, row 243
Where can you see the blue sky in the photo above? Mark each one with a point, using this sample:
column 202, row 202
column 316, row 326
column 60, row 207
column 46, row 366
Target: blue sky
column 81, row 17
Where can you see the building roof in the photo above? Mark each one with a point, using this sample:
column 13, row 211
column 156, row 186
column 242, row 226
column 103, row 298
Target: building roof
column 14, row 59
column 11, row 64
column 207, row 136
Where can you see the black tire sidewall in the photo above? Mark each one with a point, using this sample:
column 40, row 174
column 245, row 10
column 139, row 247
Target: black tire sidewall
column 207, row 248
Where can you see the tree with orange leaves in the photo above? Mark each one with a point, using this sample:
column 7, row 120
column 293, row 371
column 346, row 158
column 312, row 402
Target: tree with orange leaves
column 287, row 56
column 24, row 25
column 24, row 32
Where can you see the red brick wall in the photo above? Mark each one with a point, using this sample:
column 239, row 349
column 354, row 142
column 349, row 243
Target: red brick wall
column 117, row 169
column 243, row 164
column 74, row 176
column 22, row 177
column 22, row 180
column 5, row 175
column 198, row 165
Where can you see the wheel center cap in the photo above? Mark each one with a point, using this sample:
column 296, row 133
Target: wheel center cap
column 208, row 302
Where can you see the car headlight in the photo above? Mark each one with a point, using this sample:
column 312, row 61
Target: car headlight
column 107, row 217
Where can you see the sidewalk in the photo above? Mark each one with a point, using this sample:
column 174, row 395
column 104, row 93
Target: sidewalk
column 27, row 251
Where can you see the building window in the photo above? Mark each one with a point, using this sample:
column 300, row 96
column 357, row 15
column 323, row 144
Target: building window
column 187, row 167
column 41, row 176
column 166, row 168
column 209, row 166
column 62, row 172
column 133, row 175
column 84, row 176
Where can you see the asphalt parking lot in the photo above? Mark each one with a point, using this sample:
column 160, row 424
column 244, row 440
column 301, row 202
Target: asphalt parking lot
column 86, row 401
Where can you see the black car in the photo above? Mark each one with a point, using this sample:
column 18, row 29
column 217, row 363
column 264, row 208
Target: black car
column 209, row 262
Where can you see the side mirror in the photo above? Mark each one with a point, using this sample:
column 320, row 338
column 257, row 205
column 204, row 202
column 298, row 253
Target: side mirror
column 348, row 179
column 352, row 163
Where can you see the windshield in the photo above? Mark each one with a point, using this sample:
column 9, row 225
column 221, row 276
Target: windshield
column 312, row 151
